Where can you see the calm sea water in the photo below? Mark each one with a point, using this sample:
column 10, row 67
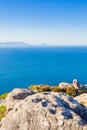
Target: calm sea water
column 24, row 67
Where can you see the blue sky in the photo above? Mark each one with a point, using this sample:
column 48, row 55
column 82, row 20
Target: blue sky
column 56, row 22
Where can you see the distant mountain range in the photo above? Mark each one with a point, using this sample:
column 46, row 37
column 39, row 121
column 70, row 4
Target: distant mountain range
column 13, row 44
column 17, row 44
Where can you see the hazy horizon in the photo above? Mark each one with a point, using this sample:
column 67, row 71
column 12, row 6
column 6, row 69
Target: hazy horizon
column 55, row 22
column 22, row 43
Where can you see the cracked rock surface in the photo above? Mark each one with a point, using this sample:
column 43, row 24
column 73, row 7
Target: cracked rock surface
column 46, row 111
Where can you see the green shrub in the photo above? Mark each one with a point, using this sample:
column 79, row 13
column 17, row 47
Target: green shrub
column 3, row 96
column 34, row 87
column 71, row 91
column 44, row 88
column 2, row 111
column 56, row 89
column 40, row 89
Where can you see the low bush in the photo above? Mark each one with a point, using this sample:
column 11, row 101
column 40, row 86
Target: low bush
column 2, row 111
column 34, row 87
column 56, row 89
column 3, row 96
column 40, row 89
column 44, row 88
column 71, row 91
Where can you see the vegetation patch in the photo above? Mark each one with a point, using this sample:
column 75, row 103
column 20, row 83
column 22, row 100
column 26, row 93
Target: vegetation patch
column 3, row 96
column 71, row 91
column 46, row 88
column 2, row 111
column 43, row 88
column 34, row 87
column 56, row 89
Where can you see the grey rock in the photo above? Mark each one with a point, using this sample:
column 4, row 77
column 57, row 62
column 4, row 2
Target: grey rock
column 46, row 111
column 16, row 96
column 64, row 85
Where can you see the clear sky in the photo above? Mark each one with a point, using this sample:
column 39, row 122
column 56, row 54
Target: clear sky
column 56, row 22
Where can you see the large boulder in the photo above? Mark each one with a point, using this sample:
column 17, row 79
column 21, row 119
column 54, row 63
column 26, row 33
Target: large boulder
column 15, row 96
column 82, row 99
column 46, row 111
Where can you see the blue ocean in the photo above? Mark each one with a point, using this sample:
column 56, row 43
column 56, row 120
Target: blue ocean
column 22, row 67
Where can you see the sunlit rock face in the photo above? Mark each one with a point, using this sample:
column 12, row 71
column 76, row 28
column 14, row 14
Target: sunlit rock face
column 64, row 85
column 82, row 99
column 44, row 111
column 16, row 96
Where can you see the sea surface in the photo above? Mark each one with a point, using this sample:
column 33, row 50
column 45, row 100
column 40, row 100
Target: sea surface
column 22, row 67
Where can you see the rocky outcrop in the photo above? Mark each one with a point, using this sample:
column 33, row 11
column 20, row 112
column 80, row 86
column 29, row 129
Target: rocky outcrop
column 64, row 85
column 15, row 96
column 46, row 111
column 82, row 99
